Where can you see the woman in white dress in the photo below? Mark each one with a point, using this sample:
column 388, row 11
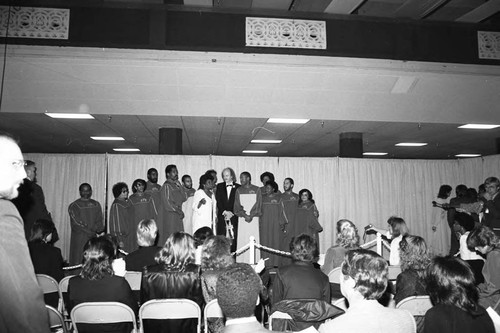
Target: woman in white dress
column 204, row 204
column 440, row 236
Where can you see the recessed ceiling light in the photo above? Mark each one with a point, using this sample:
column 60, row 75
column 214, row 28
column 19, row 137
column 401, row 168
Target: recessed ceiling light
column 107, row 138
column 374, row 154
column 479, row 126
column 266, row 141
column 467, row 155
column 70, row 115
column 411, row 144
column 254, row 151
column 126, row 149
column 287, row 121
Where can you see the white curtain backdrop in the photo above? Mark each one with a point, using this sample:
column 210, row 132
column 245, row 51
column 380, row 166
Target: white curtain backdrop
column 366, row 191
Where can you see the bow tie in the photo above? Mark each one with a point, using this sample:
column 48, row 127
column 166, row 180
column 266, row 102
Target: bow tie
column 229, row 185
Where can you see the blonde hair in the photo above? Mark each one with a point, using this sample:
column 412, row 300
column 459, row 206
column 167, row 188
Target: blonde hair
column 347, row 236
column 179, row 251
column 146, row 233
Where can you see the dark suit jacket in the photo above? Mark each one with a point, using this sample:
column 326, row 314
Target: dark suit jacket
column 492, row 212
column 144, row 256
column 223, row 203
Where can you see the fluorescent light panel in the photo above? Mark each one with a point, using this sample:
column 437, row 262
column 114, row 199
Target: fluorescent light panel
column 411, row 144
column 479, row 126
column 467, row 155
column 254, row 151
column 126, row 149
column 266, row 141
column 287, row 121
column 374, row 154
column 70, row 115
column 107, row 138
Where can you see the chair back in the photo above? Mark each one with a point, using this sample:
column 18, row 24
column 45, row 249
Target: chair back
column 277, row 315
column 334, row 275
column 340, row 303
column 171, row 308
column 212, row 310
column 63, row 284
column 102, row 313
column 416, row 305
column 134, row 279
column 56, row 319
column 49, row 285
column 394, row 271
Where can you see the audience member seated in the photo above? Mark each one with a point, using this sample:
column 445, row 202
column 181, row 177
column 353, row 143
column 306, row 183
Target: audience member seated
column 97, row 283
column 200, row 236
column 363, row 281
column 145, row 255
column 414, row 262
column 238, row 289
column 175, row 276
column 485, row 241
column 464, row 224
column 301, row 279
column 117, row 261
column 450, row 283
column 397, row 230
column 46, row 258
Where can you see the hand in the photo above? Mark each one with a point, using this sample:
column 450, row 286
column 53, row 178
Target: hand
column 316, row 214
column 181, row 213
column 248, row 219
column 203, row 201
column 259, row 267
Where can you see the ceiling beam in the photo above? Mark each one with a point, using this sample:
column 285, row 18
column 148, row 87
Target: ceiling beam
column 343, row 6
column 418, row 9
column 271, row 4
column 317, row 6
column 199, row 3
column 481, row 13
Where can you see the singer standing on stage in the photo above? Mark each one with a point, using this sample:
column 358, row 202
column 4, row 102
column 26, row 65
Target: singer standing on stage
column 227, row 222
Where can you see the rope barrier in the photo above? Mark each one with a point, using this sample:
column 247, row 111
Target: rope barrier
column 268, row 249
column 241, row 250
column 69, row 268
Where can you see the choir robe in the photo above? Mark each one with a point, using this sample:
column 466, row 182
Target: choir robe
column 153, row 190
column 271, row 226
column 121, row 224
column 86, row 221
column 290, row 205
column 170, row 217
column 306, row 222
column 248, row 200
column 187, row 209
column 144, row 209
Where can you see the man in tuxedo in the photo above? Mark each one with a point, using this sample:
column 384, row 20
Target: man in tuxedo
column 227, row 222
column 492, row 206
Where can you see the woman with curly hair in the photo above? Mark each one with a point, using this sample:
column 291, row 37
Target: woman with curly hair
column 414, row 262
column 347, row 239
column 175, row 276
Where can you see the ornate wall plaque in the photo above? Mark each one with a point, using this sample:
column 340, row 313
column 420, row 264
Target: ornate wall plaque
column 488, row 43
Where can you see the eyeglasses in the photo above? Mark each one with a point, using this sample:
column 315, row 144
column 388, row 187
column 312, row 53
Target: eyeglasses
column 19, row 164
column 124, row 191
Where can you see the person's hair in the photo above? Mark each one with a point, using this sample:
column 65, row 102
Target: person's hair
column 414, row 254
column 114, row 242
column 461, row 190
column 28, row 163
column 83, row 185
column 178, row 251
column 9, row 136
column 309, row 194
column 185, row 177
column 472, row 194
column 150, row 170
column 269, row 175
column 450, row 281
column 482, row 236
column 492, row 180
column 368, row 270
column 117, row 189
column 97, row 258
column 146, row 233
column 211, row 172
column 246, row 173
column 216, row 253
column 273, row 184
column 291, row 180
column 41, row 229
column 444, row 191
column 304, row 248
column 347, row 234
column 201, row 235
column 203, row 180
column 169, row 168
column 464, row 220
column 231, row 171
column 398, row 225
column 137, row 181
column 238, row 289
column 481, row 188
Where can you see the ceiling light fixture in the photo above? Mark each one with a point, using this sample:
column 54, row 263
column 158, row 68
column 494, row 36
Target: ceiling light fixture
column 254, row 151
column 70, row 115
column 467, row 155
column 266, row 141
column 374, row 154
column 107, row 138
column 411, row 144
column 478, row 126
column 126, row 149
column 287, row 121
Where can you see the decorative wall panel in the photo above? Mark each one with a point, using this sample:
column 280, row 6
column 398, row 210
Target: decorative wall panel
column 288, row 33
column 34, row 22
column 488, row 43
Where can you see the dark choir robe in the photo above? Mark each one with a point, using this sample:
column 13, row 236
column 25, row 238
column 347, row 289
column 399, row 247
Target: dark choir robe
column 144, row 209
column 290, row 205
column 154, row 190
column 226, row 203
column 121, row 224
column 272, row 225
column 86, row 220
column 306, row 222
column 170, row 216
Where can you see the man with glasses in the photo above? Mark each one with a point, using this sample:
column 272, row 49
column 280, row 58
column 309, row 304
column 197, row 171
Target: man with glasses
column 491, row 217
column 23, row 307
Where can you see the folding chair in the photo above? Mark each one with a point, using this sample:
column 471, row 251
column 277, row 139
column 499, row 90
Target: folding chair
column 212, row 310
column 277, row 315
column 63, row 287
column 49, row 285
column 416, row 305
column 334, row 275
column 56, row 319
column 102, row 313
column 171, row 308
column 394, row 271
column 134, row 279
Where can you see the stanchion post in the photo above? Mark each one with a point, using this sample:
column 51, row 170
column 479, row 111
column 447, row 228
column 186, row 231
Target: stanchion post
column 252, row 250
column 379, row 243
